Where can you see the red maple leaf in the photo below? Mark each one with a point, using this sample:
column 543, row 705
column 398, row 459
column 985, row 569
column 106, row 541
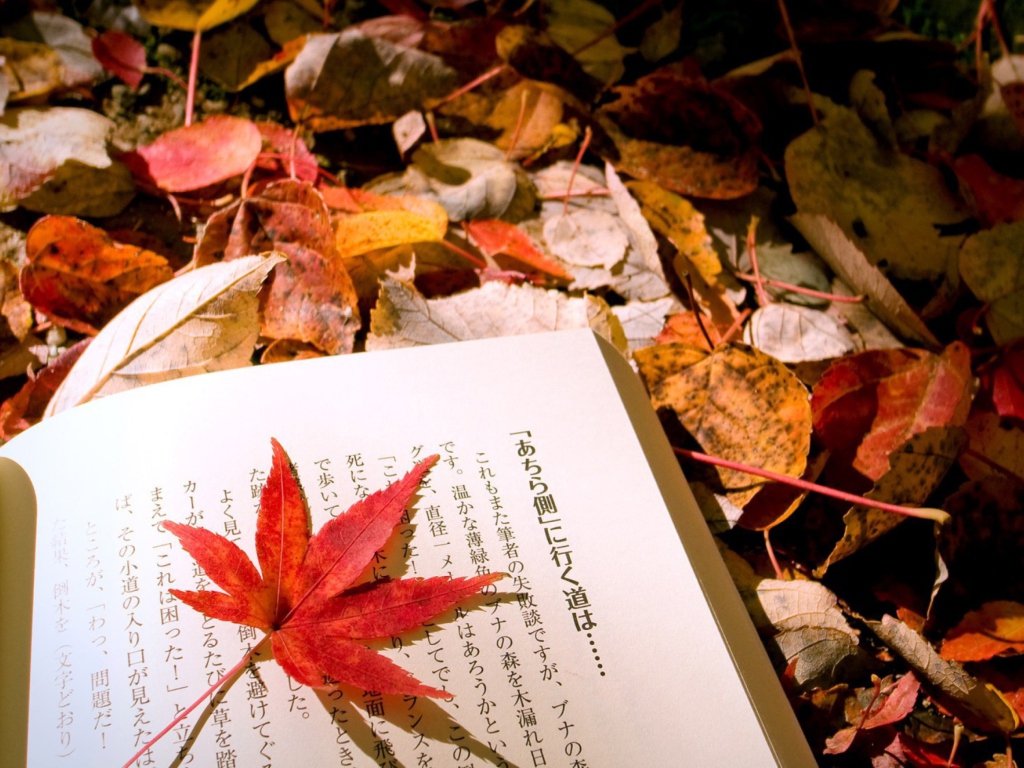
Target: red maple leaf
column 303, row 597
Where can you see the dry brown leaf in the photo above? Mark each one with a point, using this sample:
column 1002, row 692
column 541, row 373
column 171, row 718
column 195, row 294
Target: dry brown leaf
column 810, row 629
column 996, row 446
column 205, row 320
column 574, row 24
column 834, row 246
column 31, row 69
column 404, row 318
column 979, row 705
column 886, row 203
column 914, row 472
column 36, row 143
column 738, row 404
column 350, row 79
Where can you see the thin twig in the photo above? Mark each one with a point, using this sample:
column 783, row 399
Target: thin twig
column 696, row 309
column 924, row 513
column 736, row 326
column 474, row 83
column 771, row 555
column 762, row 297
column 799, row 60
column 193, row 76
column 587, row 136
column 519, row 124
column 800, row 289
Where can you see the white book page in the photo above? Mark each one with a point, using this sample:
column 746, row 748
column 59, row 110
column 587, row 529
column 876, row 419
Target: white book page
column 599, row 650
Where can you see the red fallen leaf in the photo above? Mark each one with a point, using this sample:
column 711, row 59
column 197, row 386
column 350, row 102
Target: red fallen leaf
column 282, row 147
column 26, row 407
column 301, row 594
column 493, row 236
column 894, row 707
column 1005, row 383
column 995, row 629
column 309, row 298
column 80, row 277
column 997, row 198
column 197, row 155
column 920, row 755
column 121, row 55
column 876, row 400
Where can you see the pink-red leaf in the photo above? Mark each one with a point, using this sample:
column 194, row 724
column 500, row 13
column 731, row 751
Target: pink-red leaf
column 198, row 155
column 121, row 55
column 282, row 533
column 493, row 236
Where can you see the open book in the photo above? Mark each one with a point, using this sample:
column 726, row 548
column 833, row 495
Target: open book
column 619, row 639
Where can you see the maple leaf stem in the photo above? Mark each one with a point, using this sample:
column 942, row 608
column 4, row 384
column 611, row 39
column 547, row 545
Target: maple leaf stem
column 172, row 76
column 193, row 75
column 519, row 124
column 736, row 326
column 924, row 513
column 771, row 555
column 464, row 254
column 696, row 309
column 587, row 136
column 229, row 675
column 599, row 191
column 800, row 289
column 474, row 83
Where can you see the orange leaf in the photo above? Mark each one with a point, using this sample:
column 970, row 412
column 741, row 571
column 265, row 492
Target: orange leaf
column 995, row 629
column 302, row 592
column 80, row 277
column 493, row 236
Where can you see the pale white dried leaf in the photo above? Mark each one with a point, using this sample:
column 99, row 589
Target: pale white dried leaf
column 403, row 317
column 643, row 320
column 586, row 238
column 205, row 320
column 831, row 243
column 795, row 334
column 810, row 628
column 34, row 143
column 68, row 38
column 978, row 705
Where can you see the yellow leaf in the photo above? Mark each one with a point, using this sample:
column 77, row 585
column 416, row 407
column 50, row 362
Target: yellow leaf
column 31, row 69
column 192, row 15
column 413, row 220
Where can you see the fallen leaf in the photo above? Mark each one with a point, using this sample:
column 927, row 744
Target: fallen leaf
column 996, row 197
column 868, row 331
column 643, row 320
column 494, row 237
column 205, row 320
column 122, row 55
column 684, row 134
column 887, row 204
column 834, row 246
column 795, row 334
column 67, row 38
column 914, row 471
column 17, row 313
column 404, row 318
column 662, row 37
column 873, row 402
column 575, row 25
column 738, row 404
column 302, row 595
column 371, row 81
column 535, row 55
column 31, row 69
column 309, row 297
column 532, row 115
column 809, row 629
column 383, row 221
column 895, row 706
column 990, row 266
column 285, row 21
column 285, row 153
column 684, row 327
column 191, row 15
column 1005, row 383
column 995, row 446
column 197, row 155
column 995, row 629
column 25, row 408
column 804, row 269
column 979, row 706
column 80, row 277
column 233, row 55
column 35, row 143
column 470, row 179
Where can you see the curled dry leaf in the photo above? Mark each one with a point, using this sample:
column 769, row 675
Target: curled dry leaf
column 30, row 69
column 737, row 403
column 685, row 135
column 995, row 629
column 309, row 297
column 873, row 402
column 887, row 204
column 810, row 630
column 351, row 78
column 835, row 247
column 914, row 471
column 80, row 277
column 205, row 320
column 197, row 155
column 795, row 334
column 404, row 318
column 36, row 143
column 978, row 705
column 990, row 263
